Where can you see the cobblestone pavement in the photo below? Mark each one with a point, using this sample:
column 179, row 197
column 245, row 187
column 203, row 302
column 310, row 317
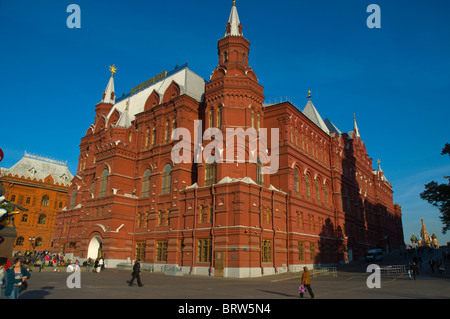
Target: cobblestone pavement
column 350, row 283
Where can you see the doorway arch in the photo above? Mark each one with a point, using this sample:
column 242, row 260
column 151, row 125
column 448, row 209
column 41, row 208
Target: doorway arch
column 95, row 248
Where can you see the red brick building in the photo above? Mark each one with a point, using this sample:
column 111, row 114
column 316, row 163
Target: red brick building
column 129, row 200
column 40, row 185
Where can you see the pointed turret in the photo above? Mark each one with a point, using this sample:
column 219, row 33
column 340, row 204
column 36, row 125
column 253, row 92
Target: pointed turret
column 355, row 126
column 109, row 95
column 234, row 26
column 311, row 112
column 124, row 120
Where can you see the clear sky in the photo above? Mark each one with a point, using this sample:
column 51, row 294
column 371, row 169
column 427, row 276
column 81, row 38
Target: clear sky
column 396, row 79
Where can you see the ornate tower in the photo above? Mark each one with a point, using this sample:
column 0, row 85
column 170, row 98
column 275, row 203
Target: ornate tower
column 234, row 98
column 109, row 97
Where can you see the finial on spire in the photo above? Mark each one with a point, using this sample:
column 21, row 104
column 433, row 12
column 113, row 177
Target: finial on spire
column 309, row 95
column 234, row 3
column 112, row 69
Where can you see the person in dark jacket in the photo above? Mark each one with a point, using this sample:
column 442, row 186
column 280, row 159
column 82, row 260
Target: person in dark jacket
column 136, row 274
column 16, row 279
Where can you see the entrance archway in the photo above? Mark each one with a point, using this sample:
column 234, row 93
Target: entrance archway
column 95, row 248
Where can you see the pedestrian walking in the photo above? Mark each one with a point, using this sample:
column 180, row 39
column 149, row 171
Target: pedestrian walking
column 136, row 274
column 88, row 264
column 2, row 275
column 441, row 267
column 306, row 282
column 16, row 280
column 431, row 262
column 414, row 270
column 95, row 265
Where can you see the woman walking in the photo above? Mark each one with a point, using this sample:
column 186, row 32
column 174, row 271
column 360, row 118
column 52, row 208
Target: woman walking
column 16, row 279
column 306, row 282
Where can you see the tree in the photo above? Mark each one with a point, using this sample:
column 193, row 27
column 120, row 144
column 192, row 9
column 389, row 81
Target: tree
column 438, row 195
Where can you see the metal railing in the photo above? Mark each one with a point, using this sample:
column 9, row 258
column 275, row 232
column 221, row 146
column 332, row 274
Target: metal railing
column 323, row 271
column 393, row 270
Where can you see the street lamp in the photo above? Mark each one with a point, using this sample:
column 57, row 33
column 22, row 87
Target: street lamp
column 31, row 242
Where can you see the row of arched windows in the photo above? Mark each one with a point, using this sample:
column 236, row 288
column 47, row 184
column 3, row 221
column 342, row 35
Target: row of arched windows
column 310, row 145
column 310, row 185
column 42, row 220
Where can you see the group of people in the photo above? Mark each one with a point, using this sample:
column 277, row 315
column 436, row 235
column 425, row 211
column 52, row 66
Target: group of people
column 436, row 263
column 13, row 278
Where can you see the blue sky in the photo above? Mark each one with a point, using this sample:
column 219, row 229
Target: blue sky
column 396, row 79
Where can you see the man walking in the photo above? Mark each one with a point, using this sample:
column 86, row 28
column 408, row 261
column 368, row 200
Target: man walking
column 136, row 274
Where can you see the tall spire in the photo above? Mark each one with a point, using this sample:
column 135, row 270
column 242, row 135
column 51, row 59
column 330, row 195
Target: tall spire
column 234, row 26
column 355, row 126
column 109, row 94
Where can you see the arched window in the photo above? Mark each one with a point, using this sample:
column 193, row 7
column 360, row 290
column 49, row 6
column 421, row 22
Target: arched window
column 91, row 190
column 326, row 194
column 296, row 182
column 167, row 133
column 258, row 121
column 167, row 179
column 24, row 218
column 103, row 183
column 38, row 242
column 73, row 199
column 45, row 200
column 154, row 137
column 210, row 171
column 308, row 187
column 174, row 127
column 211, row 118
column 259, row 172
column 146, row 184
column 147, row 138
column 219, row 117
column 253, row 118
column 317, row 190
column 19, row 241
column 42, row 219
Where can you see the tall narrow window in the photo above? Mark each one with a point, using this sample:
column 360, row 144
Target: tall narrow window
column 201, row 214
column 44, row 202
column 301, row 251
column 258, row 121
column 210, row 171
column 42, row 219
column 167, row 179
column 174, row 127
column 140, row 250
column 146, row 184
column 326, row 194
column 219, row 117
column 308, row 189
column 296, row 182
column 147, row 138
column 161, row 251
column 266, row 251
column 259, row 172
column 204, row 250
column 154, row 137
column 253, row 118
column 166, row 132
column 103, row 183
column 73, row 199
column 211, row 118
column 317, row 191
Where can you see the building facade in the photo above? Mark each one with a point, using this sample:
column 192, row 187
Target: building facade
column 131, row 200
column 40, row 185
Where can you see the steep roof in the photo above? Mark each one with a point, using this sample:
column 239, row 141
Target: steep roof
column 311, row 112
column 32, row 166
column 189, row 82
column 234, row 23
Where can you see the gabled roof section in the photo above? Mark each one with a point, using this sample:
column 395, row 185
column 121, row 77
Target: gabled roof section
column 332, row 127
column 32, row 166
column 311, row 112
column 124, row 120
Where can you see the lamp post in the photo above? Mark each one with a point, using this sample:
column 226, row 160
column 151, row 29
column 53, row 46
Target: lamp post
column 31, row 239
